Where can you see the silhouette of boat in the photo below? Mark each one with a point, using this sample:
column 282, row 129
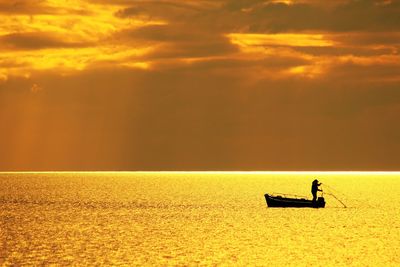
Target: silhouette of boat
column 293, row 201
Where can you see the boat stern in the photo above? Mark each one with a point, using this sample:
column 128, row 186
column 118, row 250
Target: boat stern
column 321, row 202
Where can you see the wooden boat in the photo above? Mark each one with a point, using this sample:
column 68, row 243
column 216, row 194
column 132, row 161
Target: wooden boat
column 292, row 201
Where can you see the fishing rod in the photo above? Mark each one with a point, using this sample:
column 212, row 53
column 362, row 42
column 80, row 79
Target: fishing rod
column 345, row 196
column 331, row 189
column 334, row 190
column 344, row 205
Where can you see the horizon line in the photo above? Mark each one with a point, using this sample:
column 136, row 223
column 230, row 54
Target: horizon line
column 199, row 172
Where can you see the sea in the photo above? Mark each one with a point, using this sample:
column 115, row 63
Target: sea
column 197, row 219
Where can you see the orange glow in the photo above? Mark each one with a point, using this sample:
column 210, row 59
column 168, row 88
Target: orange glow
column 287, row 2
column 202, row 84
column 284, row 39
column 311, row 71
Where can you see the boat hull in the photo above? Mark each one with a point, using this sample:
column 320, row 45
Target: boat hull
column 285, row 202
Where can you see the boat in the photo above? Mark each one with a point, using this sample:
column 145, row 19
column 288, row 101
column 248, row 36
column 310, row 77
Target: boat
column 293, row 201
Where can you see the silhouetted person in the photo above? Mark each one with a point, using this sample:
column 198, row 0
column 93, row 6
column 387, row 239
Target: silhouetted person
column 315, row 189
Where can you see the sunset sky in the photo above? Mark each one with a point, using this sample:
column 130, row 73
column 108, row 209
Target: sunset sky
column 199, row 85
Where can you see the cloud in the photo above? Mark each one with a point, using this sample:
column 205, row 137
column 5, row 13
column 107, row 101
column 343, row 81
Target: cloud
column 24, row 7
column 153, row 34
column 347, row 16
column 273, row 16
column 36, row 40
column 43, row 7
column 161, row 9
column 368, row 39
column 173, row 41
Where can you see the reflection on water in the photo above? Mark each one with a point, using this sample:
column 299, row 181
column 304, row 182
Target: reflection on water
column 196, row 218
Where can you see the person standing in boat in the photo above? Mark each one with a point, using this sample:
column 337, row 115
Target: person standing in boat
column 315, row 189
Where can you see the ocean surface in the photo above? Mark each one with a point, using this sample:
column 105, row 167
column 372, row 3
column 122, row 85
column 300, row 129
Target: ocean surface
column 190, row 219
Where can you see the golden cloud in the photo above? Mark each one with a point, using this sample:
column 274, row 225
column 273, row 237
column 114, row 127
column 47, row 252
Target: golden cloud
column 70, row 36
column 70, row 39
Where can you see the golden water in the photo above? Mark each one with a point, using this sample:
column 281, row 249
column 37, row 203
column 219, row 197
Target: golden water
column 196, row 219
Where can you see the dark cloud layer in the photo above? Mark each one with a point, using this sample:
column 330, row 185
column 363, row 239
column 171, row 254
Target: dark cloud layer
column 35, row 40
column 177, row 42
column 264, row 16
column 36, row 7
column 23, row 7
column 351, row 16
